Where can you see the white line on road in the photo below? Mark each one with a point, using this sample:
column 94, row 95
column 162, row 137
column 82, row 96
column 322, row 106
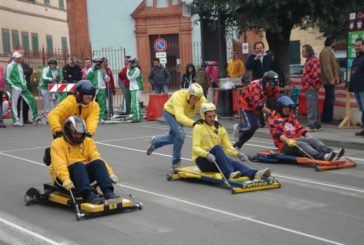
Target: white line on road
column 177, row 200
column 282, row 228
column 281, row 176
column 32, row 233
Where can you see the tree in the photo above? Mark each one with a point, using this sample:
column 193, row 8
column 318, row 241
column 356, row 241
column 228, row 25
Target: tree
column 279, row 17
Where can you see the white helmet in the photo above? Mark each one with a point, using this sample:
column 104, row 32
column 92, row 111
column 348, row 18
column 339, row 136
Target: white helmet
column 206, row 107
column 195, row 89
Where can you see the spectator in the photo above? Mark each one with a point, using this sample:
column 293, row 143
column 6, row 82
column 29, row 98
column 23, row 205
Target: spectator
column 135, row 77
column 189, row 77
column 50, row 74
column 88, row 64
column 310, row 85
column 259, row 62
column 72, row 73
column 28, row 71
column 98, row 77
column 212, row 73
column 235, row 66
column 357, row 79
column 330, row 75
column 110, row 86
column 14, row 77
column 124, row 86
column 159, row 77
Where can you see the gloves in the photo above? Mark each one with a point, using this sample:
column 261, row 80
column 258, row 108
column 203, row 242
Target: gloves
column 291, row 143
column 114, row 178
column 89, row 135
column 68, row 184
column 57, row 134
column 210, row 157
column 242, row 157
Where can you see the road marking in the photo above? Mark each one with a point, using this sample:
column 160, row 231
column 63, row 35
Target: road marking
column 281, row 176
column 32, row 233
column 174, row 199
column 282, row 228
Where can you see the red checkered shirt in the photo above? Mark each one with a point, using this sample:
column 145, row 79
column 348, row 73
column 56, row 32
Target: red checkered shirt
column 311, row 73
column 253, row 95
column 286, row 126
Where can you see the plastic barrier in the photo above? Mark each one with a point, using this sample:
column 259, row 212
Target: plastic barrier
column 155, row 106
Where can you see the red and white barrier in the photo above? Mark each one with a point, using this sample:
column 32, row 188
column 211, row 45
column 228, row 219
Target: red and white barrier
column 61, row 87
column 340, row 100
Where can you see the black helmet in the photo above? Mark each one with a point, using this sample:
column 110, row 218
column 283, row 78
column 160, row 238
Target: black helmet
column 84, row 87
column 134, row 62
column 74, row 125
column 52, row 61
column 284, row 101
column 271, row 77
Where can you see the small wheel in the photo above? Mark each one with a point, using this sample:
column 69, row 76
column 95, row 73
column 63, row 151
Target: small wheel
column 233, row 191
column 27, row 200
column 31, row 196
column 140, row 205
column 317, row 168
column 169, row 177
column 78, row 217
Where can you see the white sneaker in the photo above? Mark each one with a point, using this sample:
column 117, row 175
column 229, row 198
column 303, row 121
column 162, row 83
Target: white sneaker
column 18, row 124
column 262, row 174
column 330, row 156
column 151, row 146
column 234, row 175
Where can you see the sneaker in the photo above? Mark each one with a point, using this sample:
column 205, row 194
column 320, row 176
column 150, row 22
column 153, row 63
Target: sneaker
column 330, row 156
column 309, row 129
column 28, row 122
column 102, row 121
column 339, row 153
column 262, row 174
column 151, row 146
column 361, row 133
column 18, row 124
column 176, row 165
column 93, row 199
column 36, row 120
column 234, row 175
column 110, row 195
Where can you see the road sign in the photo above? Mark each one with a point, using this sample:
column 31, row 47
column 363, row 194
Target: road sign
column 161, row 55
column 160, row 45
column 163, row 60
column 245, row 48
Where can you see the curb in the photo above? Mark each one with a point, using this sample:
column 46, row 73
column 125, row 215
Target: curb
column 330, row 142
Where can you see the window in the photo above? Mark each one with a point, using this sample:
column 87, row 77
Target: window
column 25, row 41
column 35, row 45
column 15, row 37
column 64, row 44
column 6, row 41
column 49, row 40
column 61, row 4
column 46, row 2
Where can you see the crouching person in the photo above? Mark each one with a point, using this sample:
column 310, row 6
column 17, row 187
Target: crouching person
column 75, row 162
column 292, row 138
column 211, row 144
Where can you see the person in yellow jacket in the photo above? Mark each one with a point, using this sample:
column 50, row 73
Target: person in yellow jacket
column 81, row 104
column 75, row 162
column 235, row 66
column 178, row 111
column 211, row 144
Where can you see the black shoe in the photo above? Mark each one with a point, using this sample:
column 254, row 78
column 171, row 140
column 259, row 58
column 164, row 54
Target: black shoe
column 361, row 133
column 93, row 199
column 110, row 195
column 340, row 153
column 27, row 122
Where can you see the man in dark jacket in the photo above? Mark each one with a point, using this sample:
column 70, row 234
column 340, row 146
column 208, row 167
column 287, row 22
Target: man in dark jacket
column 28, row 71
column 259, row 62
column 357, row 80
column 159, row 77
column 72, row 73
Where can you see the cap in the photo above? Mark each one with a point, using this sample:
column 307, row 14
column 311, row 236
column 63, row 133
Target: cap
column 72, row 59
column 17, row 55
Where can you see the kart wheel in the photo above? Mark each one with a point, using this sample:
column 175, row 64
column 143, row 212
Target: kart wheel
column 139, row 205
column 31, row 196
column 169, row 177
column 317, row 168
column 233, row 191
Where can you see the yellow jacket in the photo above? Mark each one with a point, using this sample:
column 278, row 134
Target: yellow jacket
column 69, row 107
column 178, row 106
column 64, row 154
column 204, row 137
column 236, row 68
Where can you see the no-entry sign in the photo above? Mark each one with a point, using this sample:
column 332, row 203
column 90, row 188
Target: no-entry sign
column 160, row 45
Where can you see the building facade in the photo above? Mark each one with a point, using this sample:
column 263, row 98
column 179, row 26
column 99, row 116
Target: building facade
column 33, row 25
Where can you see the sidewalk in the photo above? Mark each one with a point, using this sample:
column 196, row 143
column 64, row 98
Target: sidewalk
column 329, row 134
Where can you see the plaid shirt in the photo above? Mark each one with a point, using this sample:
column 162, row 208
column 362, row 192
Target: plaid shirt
column 253, row 95
column 286, row 126
column 311, row 73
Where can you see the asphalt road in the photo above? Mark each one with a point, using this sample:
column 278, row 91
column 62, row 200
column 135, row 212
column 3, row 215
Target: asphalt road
column 310, row 208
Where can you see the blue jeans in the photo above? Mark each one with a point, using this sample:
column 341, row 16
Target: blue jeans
column 360, row 100
column 247, row 127
column 84, row 174
column 226, row 165
column 176, row 136
column 312, row 146
column 161, row 89
column 328, row 110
